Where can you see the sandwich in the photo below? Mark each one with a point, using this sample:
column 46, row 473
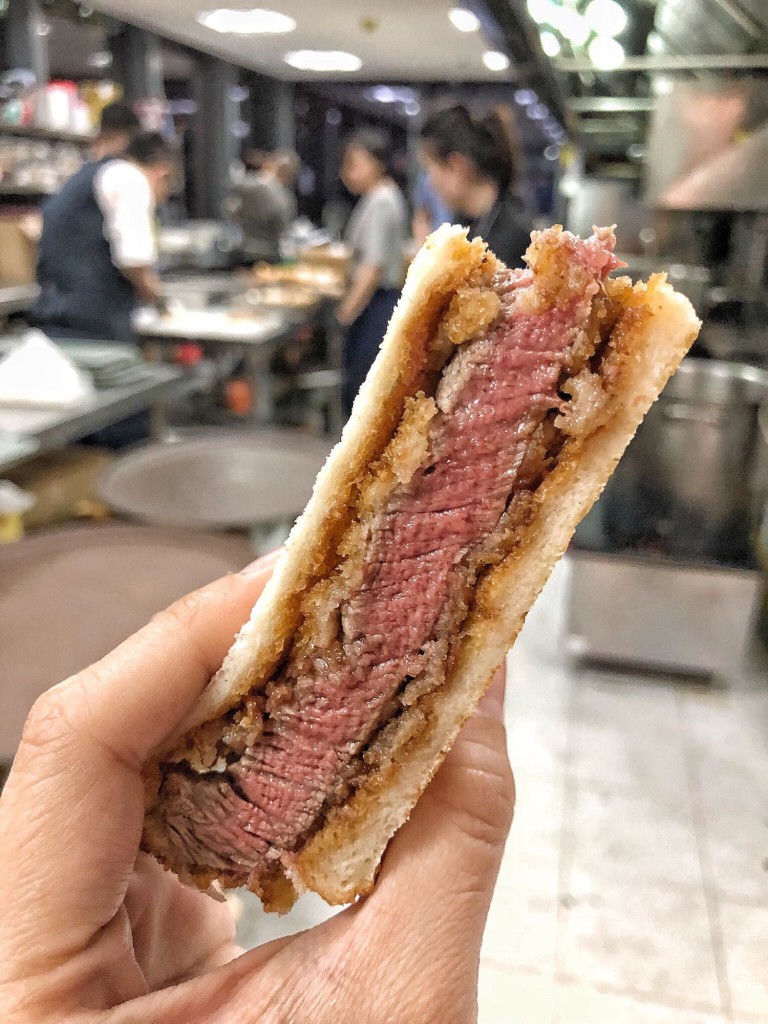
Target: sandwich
column 498, row 406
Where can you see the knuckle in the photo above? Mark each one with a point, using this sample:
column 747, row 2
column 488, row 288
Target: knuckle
column 47, row 722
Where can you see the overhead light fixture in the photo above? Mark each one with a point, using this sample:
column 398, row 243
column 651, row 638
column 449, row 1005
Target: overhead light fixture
column 537, row 111
column 524, row 97
column 463, row 20
column 655, row 43
column 606, row 17
column 495, row 60
column 572, row 25
column 552, row 152
column 605, row 53
column 100, row 59
column 390, row 94
column 324, row 61
column 550, row 44
column 412, row 108
column 541, row 10
column 257, row 21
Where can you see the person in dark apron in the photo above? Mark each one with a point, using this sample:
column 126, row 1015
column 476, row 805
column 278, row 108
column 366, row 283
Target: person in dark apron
column 473, row 166
column 97, row 254
column 376, row 233
column 97, row 250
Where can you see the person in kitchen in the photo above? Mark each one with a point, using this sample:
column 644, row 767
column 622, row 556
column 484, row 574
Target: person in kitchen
column 473, row 166
column 376, row 234
column 264, row 204
column 118, row 125
column 98, row 251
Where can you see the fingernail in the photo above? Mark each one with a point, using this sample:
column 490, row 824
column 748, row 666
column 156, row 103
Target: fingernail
column 261, row 563
column 492, row 704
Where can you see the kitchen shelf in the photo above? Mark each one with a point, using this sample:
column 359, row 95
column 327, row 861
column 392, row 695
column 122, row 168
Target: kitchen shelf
column 25, row 191
column 36, row 133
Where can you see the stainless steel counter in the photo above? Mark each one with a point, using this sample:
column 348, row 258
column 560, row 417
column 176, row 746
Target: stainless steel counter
column 17, row 299
column 253, row 338
column 41, row 430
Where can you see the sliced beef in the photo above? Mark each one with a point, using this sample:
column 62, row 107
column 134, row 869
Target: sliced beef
column 490, row 441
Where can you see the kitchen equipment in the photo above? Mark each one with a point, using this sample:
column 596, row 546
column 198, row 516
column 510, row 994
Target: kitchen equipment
column 686, row 483
column 280, row 296
column 218, row 479
column 736, row 328
column 662, row 614
column 201, row 291
column 68, row 596
column 199, row 245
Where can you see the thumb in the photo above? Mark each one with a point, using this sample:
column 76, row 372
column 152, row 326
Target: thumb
column 446, row 860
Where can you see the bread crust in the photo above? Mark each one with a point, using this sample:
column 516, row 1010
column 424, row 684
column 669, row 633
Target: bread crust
column 653, row 333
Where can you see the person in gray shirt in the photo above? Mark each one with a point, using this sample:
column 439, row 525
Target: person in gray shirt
column 265, row 206
column 376, row 234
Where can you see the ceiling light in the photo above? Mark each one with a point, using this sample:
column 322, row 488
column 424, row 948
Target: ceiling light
column 540, row 10
column 494, row 60
column 606, row 17
column 605, row 53
column 538, row 111
column 100, row 59
column 655, row 43
column 523, row 97
column 412, row 108
column 390, row 94
column 571, row 25
column 246, row 23
column 323, row 60
column 551, row 152
column 550, row 44
column 464, row 21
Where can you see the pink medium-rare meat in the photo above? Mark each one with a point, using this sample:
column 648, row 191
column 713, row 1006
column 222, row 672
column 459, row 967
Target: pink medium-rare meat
column 493, row 396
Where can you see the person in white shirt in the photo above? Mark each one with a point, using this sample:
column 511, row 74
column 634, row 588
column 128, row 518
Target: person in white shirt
column 97, row 251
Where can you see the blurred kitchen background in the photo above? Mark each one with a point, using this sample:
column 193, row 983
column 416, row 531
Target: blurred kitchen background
column 635, row 885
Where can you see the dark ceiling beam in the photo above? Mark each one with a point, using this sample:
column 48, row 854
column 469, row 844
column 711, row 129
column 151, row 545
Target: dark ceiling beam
column 521, row 38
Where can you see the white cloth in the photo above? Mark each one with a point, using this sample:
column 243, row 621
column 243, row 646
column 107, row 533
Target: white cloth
column 125, row 198
column 37, row 372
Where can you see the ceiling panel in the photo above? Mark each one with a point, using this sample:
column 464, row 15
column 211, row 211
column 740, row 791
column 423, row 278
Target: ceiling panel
column 397, row 40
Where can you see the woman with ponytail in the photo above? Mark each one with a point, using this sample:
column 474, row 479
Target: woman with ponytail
column 473, row 165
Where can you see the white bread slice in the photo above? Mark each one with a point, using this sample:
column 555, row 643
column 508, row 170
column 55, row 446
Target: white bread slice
column 648, row 342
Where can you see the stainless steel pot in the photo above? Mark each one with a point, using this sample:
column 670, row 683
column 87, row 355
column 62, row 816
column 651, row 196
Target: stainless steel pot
column 687, row 482
column 761, row 489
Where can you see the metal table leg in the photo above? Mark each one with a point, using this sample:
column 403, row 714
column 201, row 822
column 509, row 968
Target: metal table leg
column 262, row 385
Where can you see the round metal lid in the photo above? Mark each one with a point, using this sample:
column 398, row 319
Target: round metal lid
column 70, row 595
column 217, row 480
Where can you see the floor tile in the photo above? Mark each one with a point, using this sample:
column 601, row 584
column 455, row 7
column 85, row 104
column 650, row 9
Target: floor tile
column 586, row 1006
column 535, row 688
column 631, row 835
column 735, row 854
column 635, row 939
column 521, row 930
column 507, row 997
column 618, row 700
column 537, row 746
column 647, row 757
column 745, row 938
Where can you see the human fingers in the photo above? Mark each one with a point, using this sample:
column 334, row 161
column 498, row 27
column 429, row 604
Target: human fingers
column 426, row 916
column 72, row 808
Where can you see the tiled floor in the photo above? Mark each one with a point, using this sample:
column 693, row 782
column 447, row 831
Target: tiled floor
column 634, row 888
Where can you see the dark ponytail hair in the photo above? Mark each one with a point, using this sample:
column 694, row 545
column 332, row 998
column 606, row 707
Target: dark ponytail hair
column 374, row 142
column 489, row 142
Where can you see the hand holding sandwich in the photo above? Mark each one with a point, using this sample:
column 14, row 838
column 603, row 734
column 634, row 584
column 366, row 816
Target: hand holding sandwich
column 95, row 931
